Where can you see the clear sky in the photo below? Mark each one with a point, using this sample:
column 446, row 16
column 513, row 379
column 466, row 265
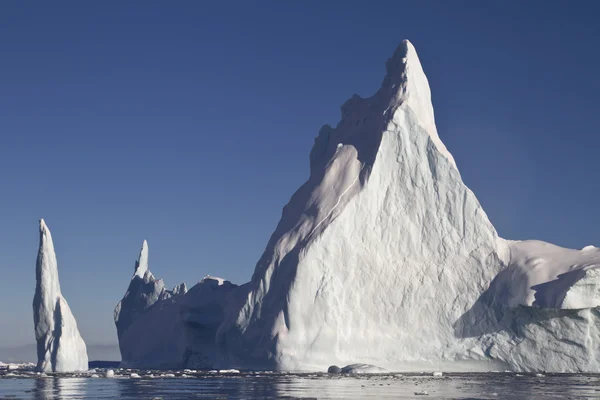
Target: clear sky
column 190, row 123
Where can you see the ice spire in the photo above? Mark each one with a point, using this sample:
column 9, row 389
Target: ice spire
column 404, row 69
column 60, row 347
column 141, row 265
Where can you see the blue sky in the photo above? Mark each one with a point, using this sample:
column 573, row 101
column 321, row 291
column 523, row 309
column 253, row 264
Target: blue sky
column 190, row 123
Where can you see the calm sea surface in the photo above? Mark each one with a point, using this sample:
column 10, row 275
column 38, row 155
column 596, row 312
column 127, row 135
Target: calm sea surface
column 204, row 385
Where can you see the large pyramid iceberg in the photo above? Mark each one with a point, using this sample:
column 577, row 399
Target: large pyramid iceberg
column 384, row 257
column 60, row 347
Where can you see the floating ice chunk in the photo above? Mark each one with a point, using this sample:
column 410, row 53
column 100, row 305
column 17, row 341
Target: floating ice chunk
column 355, row 369
column 437, row 374
column 110, row 373
column 133, row 375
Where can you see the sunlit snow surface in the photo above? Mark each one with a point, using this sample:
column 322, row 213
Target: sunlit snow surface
column 22, row 383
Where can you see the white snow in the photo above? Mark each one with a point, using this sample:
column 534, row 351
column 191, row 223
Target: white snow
column 547, row 276
column 60, row 347
column 383, row 257
column 219, row 281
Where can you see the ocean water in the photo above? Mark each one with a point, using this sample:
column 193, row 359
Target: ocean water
column 19, row 384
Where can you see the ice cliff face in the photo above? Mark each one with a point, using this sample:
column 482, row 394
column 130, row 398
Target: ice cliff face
column 60, row 347
column 385, row 257
column 379, row 253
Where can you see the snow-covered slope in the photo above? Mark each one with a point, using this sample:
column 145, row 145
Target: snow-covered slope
column 385, row 257
column 543, row 275
column 60, row 347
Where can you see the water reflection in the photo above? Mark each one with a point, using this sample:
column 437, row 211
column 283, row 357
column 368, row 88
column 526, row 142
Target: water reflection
column 46, row 389
column 51, row 388
column 275, row 386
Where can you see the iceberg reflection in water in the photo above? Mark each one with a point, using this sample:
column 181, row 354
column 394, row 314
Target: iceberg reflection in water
column 302, row 386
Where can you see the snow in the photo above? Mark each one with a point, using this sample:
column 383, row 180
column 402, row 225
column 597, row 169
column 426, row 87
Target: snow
column 383, row 257
column 60, row 347
column 547, row 276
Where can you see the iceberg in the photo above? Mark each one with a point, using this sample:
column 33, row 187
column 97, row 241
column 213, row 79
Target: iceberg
column 383, row 258
column 169, row 329
column 60, row 347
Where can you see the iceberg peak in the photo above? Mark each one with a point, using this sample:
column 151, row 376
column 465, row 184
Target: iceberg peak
column 141, row 265
column 46, row 268
column 405, row 77
column 43, row 226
